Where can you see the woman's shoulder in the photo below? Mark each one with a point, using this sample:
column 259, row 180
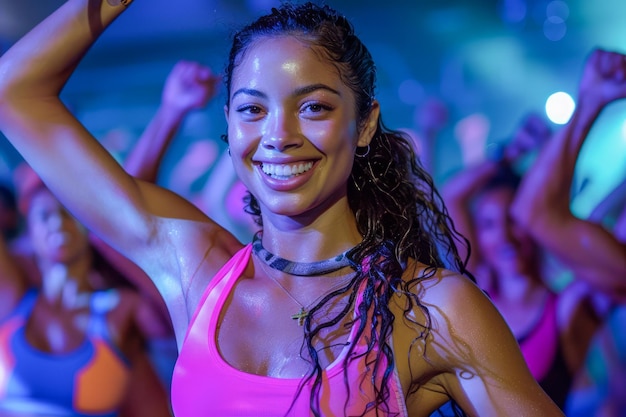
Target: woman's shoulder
column 188, row 253
column 444, row 287
column 197, row 241
column 458, row 310
column 466, row 335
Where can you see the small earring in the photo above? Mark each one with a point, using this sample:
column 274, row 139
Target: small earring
column 362, row 155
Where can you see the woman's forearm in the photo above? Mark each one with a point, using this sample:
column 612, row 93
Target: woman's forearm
column 544, row 193
column 40, row 63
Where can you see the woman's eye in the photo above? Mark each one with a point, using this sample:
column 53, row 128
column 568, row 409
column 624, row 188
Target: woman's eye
column 250, row 112
column 249, row 109
column 316, row 108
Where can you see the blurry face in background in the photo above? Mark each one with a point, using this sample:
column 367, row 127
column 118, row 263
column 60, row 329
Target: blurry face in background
column 506, row 248
column 56, row 236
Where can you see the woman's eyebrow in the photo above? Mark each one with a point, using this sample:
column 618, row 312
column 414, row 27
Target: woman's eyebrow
column 250, row 92
column 314, row 87
column 297, row 92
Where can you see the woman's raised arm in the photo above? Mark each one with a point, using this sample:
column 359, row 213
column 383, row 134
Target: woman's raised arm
column 122, row 210
column 161, row 232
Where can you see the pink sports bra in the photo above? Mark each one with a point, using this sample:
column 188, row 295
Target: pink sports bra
column 204, row 384
column 541, row 345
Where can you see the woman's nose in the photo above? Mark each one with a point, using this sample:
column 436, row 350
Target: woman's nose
column 55, row 220
column 282, row 132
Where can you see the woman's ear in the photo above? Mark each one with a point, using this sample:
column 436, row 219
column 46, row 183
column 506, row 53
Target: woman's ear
column 369, row 126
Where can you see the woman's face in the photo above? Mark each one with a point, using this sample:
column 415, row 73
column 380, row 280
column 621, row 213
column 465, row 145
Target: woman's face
column 504, row 245
column 55, row 234
column 292, row 127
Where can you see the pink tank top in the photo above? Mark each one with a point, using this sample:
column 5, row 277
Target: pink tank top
column 541, row 345
column 204, row 384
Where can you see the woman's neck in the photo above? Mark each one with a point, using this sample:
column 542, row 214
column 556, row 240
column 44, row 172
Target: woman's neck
column 67, row 284
column 305, row 240
column 308, row 245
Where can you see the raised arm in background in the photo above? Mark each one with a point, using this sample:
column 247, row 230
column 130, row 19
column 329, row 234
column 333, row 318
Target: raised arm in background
column 142, row 221
column 458, row 193
column 542, row 204
column 461, row 191
column 189, row 86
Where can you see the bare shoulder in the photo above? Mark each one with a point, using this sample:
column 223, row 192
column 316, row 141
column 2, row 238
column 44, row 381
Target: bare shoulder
column 459, row 312
column 449, row 295
column 452, row 305
column 184, row 246
column 201, row 249
column 452, row 309
column 467, row 352
column 449, row 287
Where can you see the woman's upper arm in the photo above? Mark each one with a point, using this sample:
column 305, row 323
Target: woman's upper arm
column 76, row 168
column 160, row 231
column 124, row 212
column 120, row 209
column 485, row 370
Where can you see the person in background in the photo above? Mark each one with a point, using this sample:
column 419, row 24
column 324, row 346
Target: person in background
column 552, row 328
column 189, row 86
column 596, row 254
column 73, row 346
column 543, row 203
column 352, row 300
column 461, row 194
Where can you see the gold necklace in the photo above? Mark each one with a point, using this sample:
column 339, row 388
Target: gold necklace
column 303, row 313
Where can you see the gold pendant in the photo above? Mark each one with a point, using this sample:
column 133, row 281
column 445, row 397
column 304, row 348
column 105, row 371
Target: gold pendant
column 300, row 316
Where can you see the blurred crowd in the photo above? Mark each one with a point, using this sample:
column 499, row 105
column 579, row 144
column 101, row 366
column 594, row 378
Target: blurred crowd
column 558, row 280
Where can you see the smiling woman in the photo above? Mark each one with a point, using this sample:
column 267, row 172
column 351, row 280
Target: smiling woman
column 398, row 330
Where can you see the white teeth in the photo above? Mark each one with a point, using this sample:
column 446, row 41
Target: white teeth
column 284, row 171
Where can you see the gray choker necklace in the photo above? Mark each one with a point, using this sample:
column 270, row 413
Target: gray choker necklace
column 302, row 269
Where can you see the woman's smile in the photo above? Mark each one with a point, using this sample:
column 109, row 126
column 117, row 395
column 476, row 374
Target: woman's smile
column 285, row 171
column 286, row 177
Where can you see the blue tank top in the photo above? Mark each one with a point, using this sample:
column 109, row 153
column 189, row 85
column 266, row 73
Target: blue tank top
column 88, row 381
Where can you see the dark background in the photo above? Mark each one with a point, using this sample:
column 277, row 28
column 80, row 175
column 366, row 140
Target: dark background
column 489, row 61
